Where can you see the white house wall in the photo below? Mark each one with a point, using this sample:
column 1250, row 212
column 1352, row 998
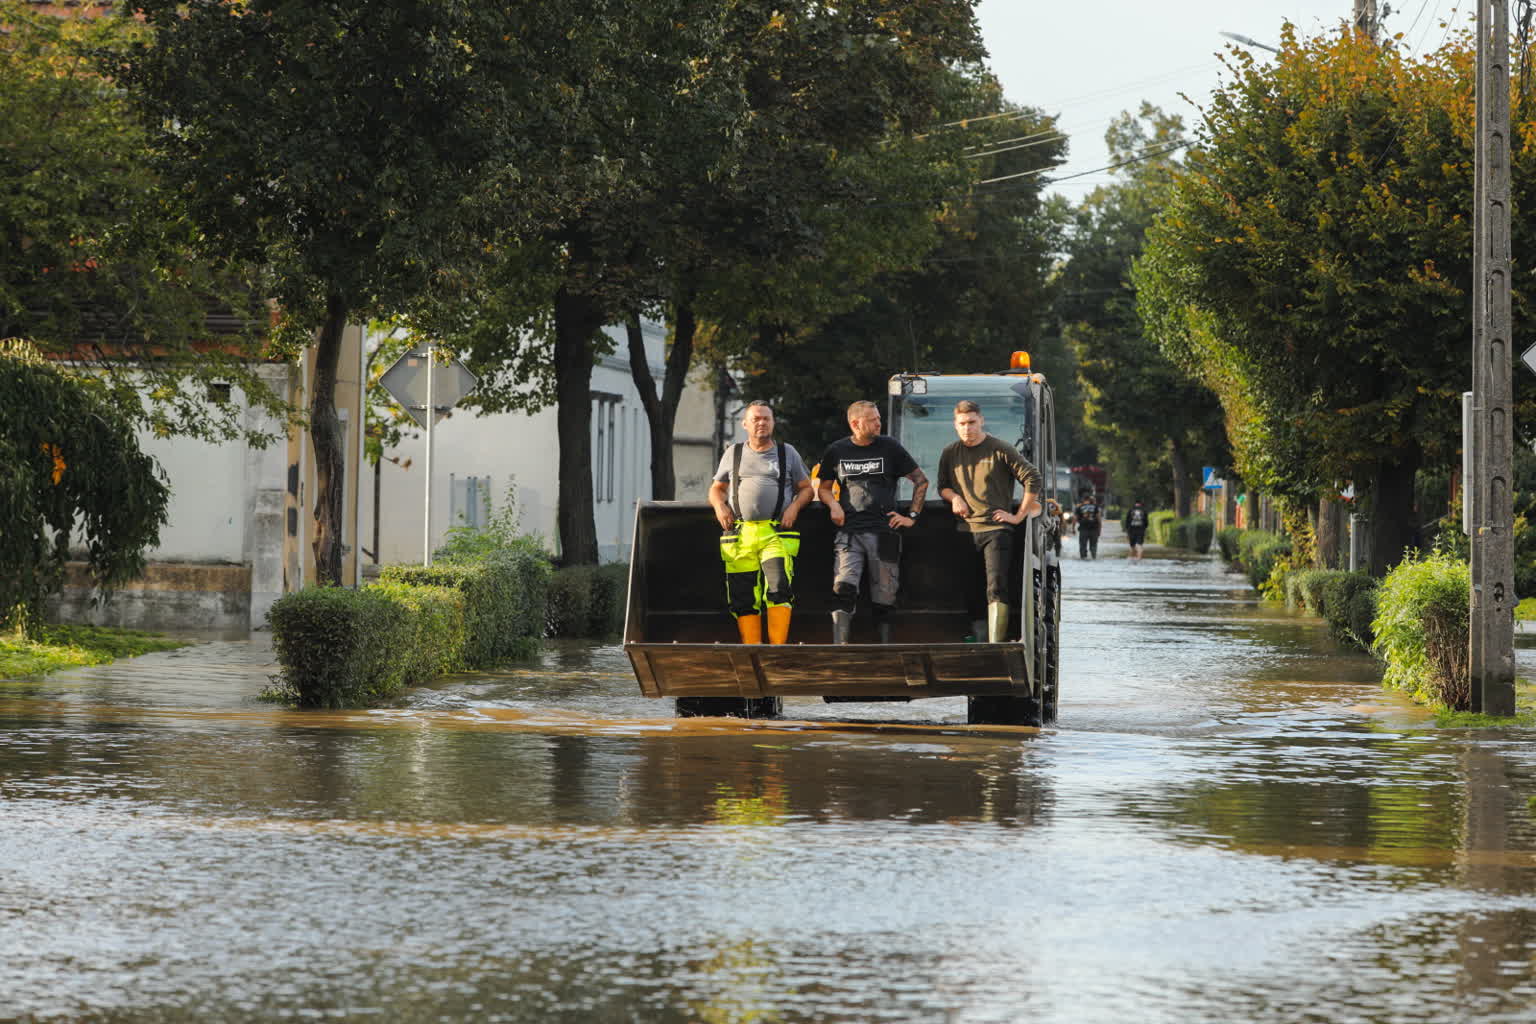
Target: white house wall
column 522, row 450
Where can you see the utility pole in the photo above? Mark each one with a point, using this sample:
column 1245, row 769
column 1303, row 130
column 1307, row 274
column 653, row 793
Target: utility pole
column 1366, row 19
column 1491, row 655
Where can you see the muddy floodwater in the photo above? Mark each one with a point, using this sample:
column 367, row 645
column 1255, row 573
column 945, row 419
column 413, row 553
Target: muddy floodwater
column 1231, row 822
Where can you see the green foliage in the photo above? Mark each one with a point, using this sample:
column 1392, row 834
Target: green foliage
column 505, row 594
column 1193, row 533
column 99, row 263
column 1319, row 237
column 1259, row 553
column 438, row 626
column 588, row 600
column 1141, row 407
column 1345, row 600
column 903, row 287
column 49, row 647
column 342, row 648
column 73, row 482
column 1421, row 629
column 1228, row 539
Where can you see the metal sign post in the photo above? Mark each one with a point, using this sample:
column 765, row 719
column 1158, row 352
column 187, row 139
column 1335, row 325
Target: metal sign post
column 427, row 392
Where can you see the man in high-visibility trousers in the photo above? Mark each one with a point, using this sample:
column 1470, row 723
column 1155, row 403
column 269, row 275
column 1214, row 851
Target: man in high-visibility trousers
column 758, row 491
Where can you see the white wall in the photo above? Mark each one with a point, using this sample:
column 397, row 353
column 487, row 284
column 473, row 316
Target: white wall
column 523, row 449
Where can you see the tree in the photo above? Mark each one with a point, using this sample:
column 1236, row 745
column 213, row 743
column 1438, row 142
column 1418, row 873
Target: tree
column 1315, row 262
column 97, row 260
column 1150, row 415
column 960, row 303
column 704, row 172
column 356, row 150
column 70, row 467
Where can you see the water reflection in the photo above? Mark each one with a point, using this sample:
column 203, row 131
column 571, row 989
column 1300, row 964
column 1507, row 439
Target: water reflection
column 1231, row 822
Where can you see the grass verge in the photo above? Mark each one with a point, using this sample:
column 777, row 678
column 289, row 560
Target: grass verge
column 1525, row 712
column 54, row 647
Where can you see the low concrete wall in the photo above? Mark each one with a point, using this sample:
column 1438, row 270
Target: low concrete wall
column 169, row 596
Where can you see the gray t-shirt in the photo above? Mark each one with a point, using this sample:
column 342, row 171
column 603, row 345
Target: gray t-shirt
column 760, row 481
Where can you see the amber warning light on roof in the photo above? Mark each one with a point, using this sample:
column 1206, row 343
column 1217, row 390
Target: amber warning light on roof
column 1019, row 361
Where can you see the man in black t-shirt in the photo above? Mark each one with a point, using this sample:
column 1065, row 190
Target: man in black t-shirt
column 866, row 466
column 1136, row 529
column 1090, row 515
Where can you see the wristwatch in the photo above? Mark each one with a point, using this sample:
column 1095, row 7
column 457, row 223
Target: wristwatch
column 912, row 515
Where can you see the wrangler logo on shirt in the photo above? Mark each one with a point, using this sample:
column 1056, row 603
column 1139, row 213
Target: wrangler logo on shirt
column 863, row 467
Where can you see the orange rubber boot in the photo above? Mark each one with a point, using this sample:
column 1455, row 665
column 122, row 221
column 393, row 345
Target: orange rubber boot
column 751, row 628
column 778, row 623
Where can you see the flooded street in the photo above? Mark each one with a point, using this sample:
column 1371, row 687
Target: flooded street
column 1231, row 822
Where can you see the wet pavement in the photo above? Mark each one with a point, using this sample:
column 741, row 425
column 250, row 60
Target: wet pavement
column 1231, row 822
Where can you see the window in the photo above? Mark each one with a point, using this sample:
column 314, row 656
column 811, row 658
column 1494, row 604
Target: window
column 605, row 445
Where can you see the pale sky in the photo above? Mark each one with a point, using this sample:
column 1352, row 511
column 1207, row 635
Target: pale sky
column 1087, row 61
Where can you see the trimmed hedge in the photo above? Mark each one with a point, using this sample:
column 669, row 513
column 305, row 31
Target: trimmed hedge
column 343, row 648
column 1421, row 629
column 1192, row 533
column 1345, row 600
column 1258, row 551
column 1227, row 539
column 588, row 600
column 505, row 595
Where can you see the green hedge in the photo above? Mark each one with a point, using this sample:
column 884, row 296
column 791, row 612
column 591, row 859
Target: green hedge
column 1421, row 629
column 1227, row 539
column 342, row 648
column 588, row 600
column 505, row 597
column 1258, row 551
column 1160, row 525
column 1345, row 600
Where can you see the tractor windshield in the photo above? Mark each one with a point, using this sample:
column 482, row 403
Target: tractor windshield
column 925, row 423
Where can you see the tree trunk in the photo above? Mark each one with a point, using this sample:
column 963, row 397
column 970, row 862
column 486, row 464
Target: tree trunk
column 1392, row 513
column 577, row 319
column 325, row 435
column 1180, row 460
column 1330, row 531
column 661, row 412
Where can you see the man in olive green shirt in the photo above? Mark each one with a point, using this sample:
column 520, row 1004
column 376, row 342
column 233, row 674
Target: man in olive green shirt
column 976, row 477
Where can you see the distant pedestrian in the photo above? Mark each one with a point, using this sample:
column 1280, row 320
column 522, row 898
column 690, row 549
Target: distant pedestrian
column 1136, row 529
column 1090, row 518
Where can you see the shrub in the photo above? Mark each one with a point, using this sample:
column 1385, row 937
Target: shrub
column 505, row 592
column 338, row 647
column 588, row 600
column 1348, row 603
column 436, row 626
column 1259, row 552
column 1160, row 525
column 1227, row 540
column 1421, row 629
column 1192, row 533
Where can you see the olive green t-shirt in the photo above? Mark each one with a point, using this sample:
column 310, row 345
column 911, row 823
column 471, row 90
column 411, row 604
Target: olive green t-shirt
column 984, row 476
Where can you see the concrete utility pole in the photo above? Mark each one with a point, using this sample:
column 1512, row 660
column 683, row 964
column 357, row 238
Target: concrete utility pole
column 1366, row 19
column 1491, row 655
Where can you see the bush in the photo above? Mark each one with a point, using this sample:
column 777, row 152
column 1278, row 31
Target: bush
column 588, row 600
column 505, row 593
column 1160, row 525
column 1192, row 533
column 1227, row 540
column 1421, row 629
column 340, row 648
column 1348, row 603
column 1259, row 552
